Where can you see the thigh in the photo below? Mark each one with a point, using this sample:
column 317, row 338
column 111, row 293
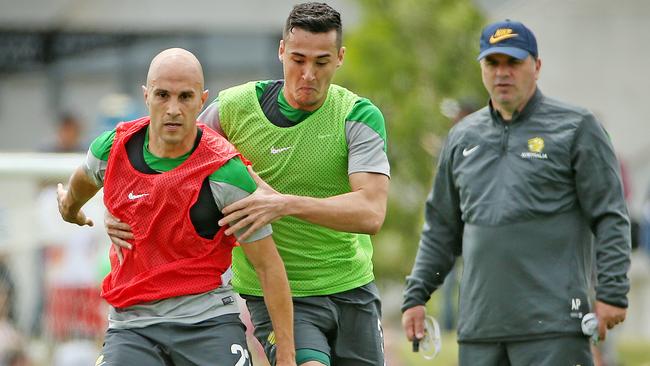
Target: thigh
column 131, row 347
column 313, row 320
column 218, row 341
column 479, row 353
column 569, row 350
column 359, row 337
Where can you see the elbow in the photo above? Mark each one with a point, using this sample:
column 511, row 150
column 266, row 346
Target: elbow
column 373, row 223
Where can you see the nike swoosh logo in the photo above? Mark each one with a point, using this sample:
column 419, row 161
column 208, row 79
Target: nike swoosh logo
column 136, row 196
column 467, row 152
column 277, row 151
column 496, row 39
column 324, row 136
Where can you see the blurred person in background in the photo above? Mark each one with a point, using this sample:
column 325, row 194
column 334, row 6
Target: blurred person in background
column 321, row 152
column 71, row 306
column 169, row 179
column 523, row 186
column 67, row 137
column 12, row 342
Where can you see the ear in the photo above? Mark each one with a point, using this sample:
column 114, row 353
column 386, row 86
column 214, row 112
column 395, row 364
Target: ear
column 538, row 66
column 281, row 50
column 340, row 57
column 204, row 97
column 145, row 93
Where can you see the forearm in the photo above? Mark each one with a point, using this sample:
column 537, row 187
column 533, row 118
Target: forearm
column 613, row 261
column 349, row 212
column 440, row 244
column 277, row 295
column 361, row 211
column 277, row 298
column 432, row 264
column 80, row 189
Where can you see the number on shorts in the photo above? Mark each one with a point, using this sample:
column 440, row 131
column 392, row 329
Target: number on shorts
column 244, row 358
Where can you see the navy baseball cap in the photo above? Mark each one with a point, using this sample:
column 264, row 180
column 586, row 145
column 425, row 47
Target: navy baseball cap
column 508, row 37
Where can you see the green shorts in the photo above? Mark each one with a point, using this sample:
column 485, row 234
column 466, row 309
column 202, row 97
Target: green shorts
column 558, row 350
column 218, row 341
column 342, row 329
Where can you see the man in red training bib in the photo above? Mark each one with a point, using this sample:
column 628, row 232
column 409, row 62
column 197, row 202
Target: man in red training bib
column 169, row 178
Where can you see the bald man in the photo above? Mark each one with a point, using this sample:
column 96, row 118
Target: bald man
column 169, row 178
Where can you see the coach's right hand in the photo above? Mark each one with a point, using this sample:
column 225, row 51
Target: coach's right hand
column 119, row 232
column 413, row 322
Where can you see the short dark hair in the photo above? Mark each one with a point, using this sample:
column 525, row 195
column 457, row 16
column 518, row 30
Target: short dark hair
column 315, row 18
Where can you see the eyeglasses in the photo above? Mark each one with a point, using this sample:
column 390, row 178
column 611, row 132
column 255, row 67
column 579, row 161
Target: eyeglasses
column 430, row 345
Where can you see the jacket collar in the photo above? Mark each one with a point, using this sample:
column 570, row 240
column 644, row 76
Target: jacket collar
column 517, row 116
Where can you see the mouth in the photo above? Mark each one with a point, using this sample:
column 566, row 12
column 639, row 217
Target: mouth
column 172, row 126
column 307, row 89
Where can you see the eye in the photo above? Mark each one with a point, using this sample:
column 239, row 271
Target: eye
column 299, row 61
column 162, row 94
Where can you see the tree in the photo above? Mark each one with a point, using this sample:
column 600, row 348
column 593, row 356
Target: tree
column 408, row 56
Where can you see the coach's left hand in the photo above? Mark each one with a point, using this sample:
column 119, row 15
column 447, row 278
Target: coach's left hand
column 608, row 317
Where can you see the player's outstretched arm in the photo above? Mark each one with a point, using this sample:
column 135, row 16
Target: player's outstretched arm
column 270, row 270
column 361, row 211
column 80, row 189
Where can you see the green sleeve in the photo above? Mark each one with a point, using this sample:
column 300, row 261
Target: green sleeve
column 101, row 146
column 367, row 113
column 234, row 172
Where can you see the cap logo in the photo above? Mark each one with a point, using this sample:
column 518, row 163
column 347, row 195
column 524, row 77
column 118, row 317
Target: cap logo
column 502, row 34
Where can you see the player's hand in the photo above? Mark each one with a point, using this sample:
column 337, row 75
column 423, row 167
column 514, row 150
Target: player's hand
column 413, row 322
column 262, row 207
column 608, row 317
column 78, row 217
column 119, row 232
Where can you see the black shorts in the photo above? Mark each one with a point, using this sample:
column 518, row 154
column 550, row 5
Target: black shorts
column 344, row 327
column 218, row 341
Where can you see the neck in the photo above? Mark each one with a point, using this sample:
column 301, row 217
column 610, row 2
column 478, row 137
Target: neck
column 507, row 111
column 163, row 149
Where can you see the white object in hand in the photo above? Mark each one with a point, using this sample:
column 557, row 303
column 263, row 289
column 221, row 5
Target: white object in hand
column 590, row 326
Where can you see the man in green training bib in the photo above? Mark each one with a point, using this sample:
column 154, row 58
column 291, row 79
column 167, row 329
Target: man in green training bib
column 320, row 151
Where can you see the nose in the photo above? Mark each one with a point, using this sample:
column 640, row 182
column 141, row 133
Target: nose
column 173, row 108
column 308, row 73
column 502, row 69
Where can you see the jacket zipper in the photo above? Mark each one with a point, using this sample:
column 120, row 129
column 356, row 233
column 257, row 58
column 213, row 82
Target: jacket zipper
column 504, row 139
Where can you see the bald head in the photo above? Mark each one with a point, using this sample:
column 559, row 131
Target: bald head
column 174, row 96
column 175, row 63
